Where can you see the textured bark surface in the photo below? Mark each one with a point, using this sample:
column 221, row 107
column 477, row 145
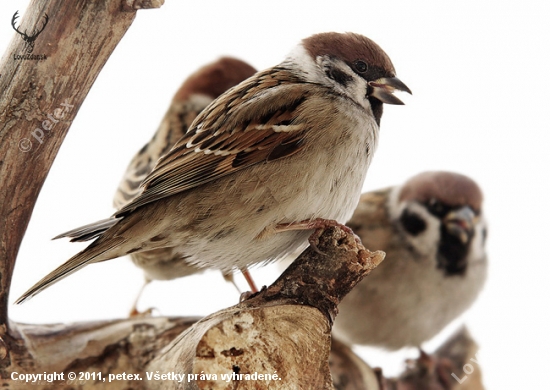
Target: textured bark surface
column 461, row 351
column 348, row 371
column 429, row 372
column 283, row 329
column 447, row 369
column 39, row 100
column 106, row 347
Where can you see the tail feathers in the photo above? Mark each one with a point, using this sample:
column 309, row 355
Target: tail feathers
column 89, row 231
column 95, row 252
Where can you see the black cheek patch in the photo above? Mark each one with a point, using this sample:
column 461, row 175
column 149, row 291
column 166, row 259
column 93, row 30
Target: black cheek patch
column 339, row 76
column 412, row 223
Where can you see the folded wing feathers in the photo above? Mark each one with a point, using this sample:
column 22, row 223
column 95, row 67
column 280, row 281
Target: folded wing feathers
column 222, row 141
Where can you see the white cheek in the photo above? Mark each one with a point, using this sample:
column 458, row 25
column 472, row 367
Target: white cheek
column 356, row 89
column 477, row 248
column 300, row 60
column 359, row 91
column 312, row 71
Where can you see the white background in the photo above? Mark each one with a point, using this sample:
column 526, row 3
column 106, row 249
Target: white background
column 479, row 74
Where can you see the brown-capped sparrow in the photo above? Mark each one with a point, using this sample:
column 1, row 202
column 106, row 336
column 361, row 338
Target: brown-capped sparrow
column 433, row 232
column 271, row 160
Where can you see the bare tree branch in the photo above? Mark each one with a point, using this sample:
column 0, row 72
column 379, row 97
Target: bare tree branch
column 41, row 95
column 40, row 98
column 277, row 338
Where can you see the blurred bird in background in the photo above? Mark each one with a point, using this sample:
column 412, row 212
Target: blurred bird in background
column 433, row 231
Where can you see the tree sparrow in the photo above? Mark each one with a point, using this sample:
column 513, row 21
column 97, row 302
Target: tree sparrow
column 281, row 154
column 433, row 232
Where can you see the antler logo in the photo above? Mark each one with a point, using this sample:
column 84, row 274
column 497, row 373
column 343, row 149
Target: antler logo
column 29, row 39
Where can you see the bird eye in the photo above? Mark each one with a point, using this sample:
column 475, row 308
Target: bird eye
column 436, row 208
column 412, row 223
column 360, row 66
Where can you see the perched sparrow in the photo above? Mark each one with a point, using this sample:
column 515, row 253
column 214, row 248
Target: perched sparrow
column 283, row 153
column 197, row 92
column 433, row 232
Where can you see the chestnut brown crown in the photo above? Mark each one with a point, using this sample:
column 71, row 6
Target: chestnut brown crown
column 452, row 189
column 350, row 48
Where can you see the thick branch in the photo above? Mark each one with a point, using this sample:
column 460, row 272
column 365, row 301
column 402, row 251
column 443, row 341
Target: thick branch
column 284, row 330
column 40, row 98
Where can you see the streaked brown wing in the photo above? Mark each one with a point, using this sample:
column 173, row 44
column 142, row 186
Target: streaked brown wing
column 257, row 121
column 173, row 126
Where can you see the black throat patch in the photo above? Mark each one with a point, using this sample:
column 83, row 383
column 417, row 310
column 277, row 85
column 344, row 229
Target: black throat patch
column 452, row 253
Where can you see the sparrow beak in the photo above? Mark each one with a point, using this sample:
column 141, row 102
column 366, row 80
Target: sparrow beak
column 461, row 223
column 383, row 89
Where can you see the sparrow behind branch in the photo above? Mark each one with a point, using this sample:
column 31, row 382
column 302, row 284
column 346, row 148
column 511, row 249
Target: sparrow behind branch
column 196, row 92
column 282, row 154
column 433, row 231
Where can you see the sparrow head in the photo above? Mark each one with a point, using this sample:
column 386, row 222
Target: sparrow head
column 440, row 214
column 214, row 79
column 357, row 67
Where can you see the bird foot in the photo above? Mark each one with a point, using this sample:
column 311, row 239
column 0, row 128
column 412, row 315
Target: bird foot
column 135, row 313
column 433, row 371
